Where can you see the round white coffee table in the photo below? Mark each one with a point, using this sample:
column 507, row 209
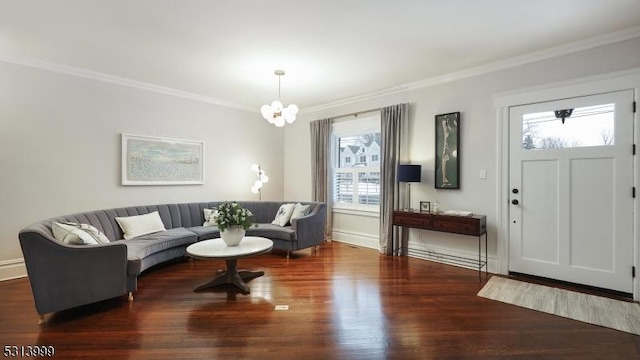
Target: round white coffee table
column 216, row 249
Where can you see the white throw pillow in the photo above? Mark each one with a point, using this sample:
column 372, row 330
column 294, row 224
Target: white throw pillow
column 208, row 217
column 78, row 234
column 299, row 211
column 283, row 215
column 138, row 225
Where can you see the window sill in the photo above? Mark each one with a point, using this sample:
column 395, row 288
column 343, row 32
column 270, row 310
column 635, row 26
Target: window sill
column 373, row 212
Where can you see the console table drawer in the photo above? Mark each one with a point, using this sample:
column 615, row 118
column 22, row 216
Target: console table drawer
column 466, row 225
column 456, row 227
column 411, row 221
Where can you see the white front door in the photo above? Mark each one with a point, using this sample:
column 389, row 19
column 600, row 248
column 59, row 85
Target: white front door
column 571, row 182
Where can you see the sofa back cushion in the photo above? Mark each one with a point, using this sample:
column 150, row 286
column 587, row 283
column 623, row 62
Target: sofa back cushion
column 263, row 211
column 172, row 215
column 192, row 214
column 105, row 220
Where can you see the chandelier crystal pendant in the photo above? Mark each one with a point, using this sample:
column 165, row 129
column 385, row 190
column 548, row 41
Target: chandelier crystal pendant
column 276, row 113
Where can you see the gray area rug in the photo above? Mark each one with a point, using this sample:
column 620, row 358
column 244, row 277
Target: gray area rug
column 610, row 313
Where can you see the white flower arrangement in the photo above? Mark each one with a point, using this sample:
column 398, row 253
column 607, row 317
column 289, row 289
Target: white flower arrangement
column 231, row 214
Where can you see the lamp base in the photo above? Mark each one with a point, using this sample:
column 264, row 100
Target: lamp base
column 408, row 198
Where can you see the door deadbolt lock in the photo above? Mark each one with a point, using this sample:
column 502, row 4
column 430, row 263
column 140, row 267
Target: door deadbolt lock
column 514, row 202
column 515, row 191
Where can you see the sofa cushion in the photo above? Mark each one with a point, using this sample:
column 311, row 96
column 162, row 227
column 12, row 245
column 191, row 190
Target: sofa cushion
column 206, row 232
column 272, row 232
column 299, row 210
column 77, row 234
column 142, row 246
column 283, row 215
column 134, row 226
column 209, row 220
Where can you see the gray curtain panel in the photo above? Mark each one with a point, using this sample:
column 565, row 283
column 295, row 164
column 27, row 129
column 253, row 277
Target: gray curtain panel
column 320, row 165
column 394, row 123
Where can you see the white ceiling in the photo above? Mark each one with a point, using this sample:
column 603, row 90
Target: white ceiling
column 333, row 49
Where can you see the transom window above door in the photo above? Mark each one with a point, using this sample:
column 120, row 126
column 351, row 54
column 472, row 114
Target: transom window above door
column 569, row 128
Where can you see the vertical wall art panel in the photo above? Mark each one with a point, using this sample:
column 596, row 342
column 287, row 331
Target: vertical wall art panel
column 447, row 171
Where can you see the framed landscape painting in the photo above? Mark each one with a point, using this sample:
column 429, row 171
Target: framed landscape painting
column 447, row 169
column 150, row 160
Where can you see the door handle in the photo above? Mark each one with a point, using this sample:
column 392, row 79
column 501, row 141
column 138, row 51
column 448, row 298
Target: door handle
column 514, row 202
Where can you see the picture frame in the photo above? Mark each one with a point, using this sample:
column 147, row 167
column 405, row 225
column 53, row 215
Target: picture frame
column 425, row 206
column 148, row 160
column 447, row 142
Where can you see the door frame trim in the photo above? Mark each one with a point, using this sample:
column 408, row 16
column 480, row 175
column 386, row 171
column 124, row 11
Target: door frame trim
column 603, row 83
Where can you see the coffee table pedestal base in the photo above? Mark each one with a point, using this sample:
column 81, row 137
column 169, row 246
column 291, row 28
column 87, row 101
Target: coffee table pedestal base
column 232, row 276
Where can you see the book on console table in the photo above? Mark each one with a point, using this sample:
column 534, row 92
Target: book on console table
column 457, row 213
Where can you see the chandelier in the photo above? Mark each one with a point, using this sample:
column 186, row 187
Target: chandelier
column 276, row 113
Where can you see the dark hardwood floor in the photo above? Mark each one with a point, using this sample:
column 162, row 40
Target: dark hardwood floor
column 344, row 303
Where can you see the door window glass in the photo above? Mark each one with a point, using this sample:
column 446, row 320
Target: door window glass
column 585, row 126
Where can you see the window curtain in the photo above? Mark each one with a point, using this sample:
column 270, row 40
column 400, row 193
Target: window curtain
column 320, row 166
column 393, row 130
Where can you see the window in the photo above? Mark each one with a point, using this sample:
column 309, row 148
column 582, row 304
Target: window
column 585, row 126
column 356, row 184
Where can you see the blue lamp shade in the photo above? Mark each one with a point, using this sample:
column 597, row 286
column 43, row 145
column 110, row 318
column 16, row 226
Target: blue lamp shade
column 409, row 173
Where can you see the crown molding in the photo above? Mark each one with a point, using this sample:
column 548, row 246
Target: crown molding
column 493, row 67
column 355, row 99
column 607, row 82
column 98, row 76
column 531, row 57
column 442, row 79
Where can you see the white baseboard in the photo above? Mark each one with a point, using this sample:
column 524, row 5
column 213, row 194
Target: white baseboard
column 439, row 254
column 12, row 269
column 356, row 238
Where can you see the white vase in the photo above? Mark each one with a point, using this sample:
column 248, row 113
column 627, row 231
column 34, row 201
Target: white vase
column 232, row 235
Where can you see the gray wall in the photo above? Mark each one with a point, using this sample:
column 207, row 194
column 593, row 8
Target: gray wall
column 471, row 96
column 60, row 145
column 60, row 149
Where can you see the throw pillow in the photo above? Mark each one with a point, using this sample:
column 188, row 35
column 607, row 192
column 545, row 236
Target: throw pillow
column 78, row 234
column 208, row 217
column 139, row 225
column 283, row 215
column 299, row 211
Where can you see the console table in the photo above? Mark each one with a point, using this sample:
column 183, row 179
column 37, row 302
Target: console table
column 473, row 225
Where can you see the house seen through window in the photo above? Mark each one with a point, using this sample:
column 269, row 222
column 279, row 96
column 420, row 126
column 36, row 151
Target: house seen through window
column 357, row 184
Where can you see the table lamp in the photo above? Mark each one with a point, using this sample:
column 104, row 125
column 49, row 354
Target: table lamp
column 409, row 174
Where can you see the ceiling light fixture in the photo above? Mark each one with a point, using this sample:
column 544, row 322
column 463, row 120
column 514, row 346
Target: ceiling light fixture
column 276, row 113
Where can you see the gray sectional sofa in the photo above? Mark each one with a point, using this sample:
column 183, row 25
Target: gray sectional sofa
column 64, row 276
